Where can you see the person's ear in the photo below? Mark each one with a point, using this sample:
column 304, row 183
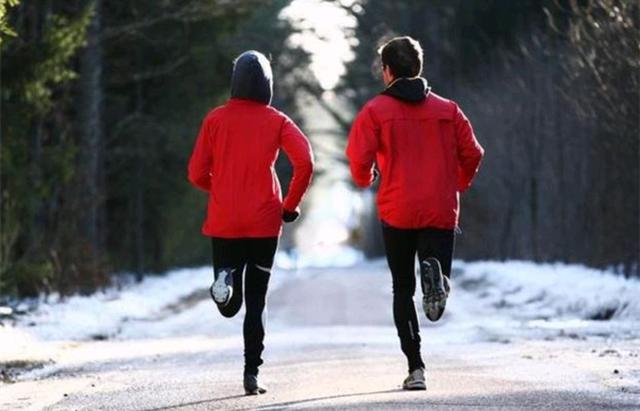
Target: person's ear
column 387, row 76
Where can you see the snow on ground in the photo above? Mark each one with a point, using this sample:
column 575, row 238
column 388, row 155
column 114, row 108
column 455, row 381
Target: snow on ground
column 551, row 290
column 100, row 315
column 57, row 321
column 506, row 294
column 566, row 299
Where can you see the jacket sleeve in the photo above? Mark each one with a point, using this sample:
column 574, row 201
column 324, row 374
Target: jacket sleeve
column 470, row 152
column 362, row 147
column 201, row 157
column 298, row 150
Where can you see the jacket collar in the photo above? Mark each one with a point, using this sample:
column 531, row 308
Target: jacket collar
column 411, row 90
column 244, row 101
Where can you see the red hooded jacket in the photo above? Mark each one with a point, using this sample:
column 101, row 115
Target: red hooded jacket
column 233, row 160
column 426, row 152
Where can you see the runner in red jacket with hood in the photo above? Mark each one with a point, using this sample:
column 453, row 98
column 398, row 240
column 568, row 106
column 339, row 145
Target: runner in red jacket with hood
column 426, row 154
column 233, row 161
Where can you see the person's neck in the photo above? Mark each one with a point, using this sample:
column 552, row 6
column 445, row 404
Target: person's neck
column 395, row 80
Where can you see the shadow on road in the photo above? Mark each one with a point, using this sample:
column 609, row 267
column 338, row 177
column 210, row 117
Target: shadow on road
column 270, row 406
column 194, row 403
column 281, row 405
column 534, row 399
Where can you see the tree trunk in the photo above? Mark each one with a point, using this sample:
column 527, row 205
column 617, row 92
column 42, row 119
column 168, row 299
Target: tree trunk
column 139, row 204
column 91, row 127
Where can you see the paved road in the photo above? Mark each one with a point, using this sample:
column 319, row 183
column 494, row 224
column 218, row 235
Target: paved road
column 328, row 347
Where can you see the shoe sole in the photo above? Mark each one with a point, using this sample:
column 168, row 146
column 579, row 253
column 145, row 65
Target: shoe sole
column 434, row 307
column 415, row 387
column 255, row 392
column 220, row 291
column 435, row 302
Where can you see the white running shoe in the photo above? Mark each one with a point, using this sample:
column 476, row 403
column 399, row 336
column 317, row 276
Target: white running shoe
column 415, row 381
column 222, row 288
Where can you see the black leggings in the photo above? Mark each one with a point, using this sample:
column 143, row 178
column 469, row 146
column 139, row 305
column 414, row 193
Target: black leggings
column 401, row 246
column 256, row 254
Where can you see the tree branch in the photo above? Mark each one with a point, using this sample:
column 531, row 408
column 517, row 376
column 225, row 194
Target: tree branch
column 149, row 74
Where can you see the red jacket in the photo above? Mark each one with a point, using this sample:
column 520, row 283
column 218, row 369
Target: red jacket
column 233, row 160
column 426, row 153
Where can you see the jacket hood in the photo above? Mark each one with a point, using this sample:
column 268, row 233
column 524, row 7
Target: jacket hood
column 412, row 90
column 252, row 78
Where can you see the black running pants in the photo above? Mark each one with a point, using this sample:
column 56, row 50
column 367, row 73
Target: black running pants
column 252, row 257
column 401, row 246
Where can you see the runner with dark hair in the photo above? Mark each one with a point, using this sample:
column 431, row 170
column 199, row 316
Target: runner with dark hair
column 423, row 148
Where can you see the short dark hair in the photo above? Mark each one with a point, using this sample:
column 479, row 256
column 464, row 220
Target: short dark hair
column 403, row 55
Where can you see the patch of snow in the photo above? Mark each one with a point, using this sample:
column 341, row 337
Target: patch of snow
column 101, row 314
column 568, row 298
column 490, row 300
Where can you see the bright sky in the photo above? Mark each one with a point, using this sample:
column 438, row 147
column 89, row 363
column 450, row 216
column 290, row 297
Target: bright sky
column 323, row 35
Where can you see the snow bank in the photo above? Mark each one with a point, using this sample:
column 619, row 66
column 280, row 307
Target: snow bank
column 550, row 291
column 506, row 294
column 100, row 315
